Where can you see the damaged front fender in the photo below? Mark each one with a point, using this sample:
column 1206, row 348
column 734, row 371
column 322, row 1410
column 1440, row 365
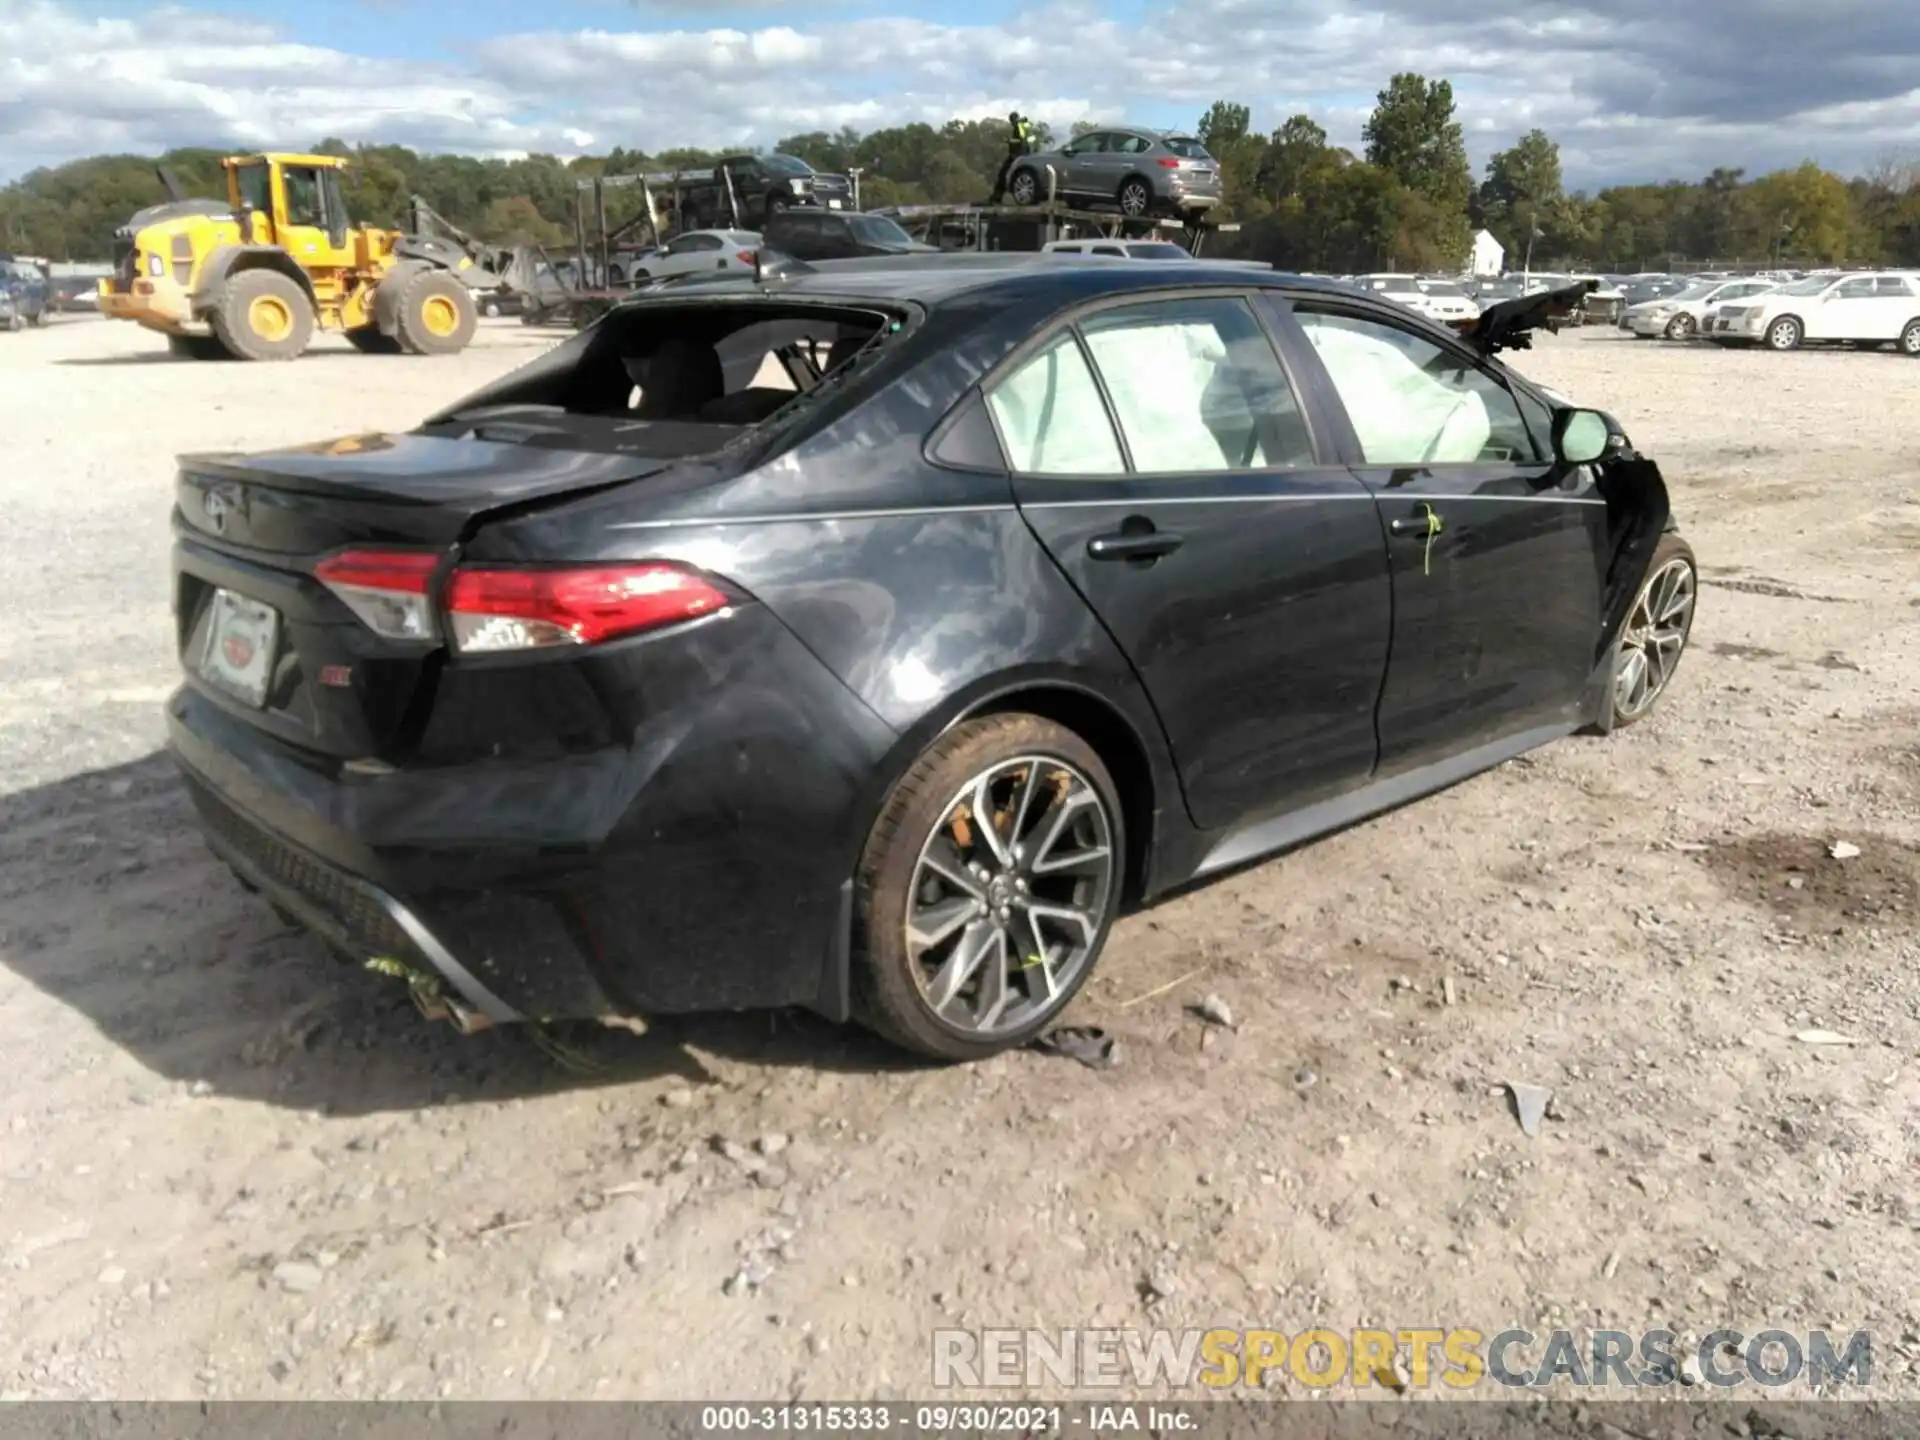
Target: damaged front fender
column 1639, row 516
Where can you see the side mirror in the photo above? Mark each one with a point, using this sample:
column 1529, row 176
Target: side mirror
column 1580, row 437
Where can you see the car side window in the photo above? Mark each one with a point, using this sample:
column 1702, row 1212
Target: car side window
column 1892, row 285
column 1051, row 418
column 1413, row 402
column 1858, row 289
column 1197, row 387
column 1131, row 144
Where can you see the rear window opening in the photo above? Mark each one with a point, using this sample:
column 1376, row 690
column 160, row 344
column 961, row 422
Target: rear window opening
column 672, row 380
column 1186, row 147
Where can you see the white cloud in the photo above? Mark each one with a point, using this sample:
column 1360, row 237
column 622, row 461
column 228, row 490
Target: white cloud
column 1631, row 88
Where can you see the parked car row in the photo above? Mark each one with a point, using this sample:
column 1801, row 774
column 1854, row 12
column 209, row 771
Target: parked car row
column 1784, row 312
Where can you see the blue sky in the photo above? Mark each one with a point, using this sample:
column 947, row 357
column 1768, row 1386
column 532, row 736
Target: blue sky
column 1632, row 89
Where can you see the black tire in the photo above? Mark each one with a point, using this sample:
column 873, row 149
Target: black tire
column 1785, row 333
column 1681, row 327
column 198, row 347
column 240, row 317
column 1135, row 198
column 887, row 997
column 437, row 314
column 1671, row 550
column 1910, row 338
column 369, row 341
column 1023, row 186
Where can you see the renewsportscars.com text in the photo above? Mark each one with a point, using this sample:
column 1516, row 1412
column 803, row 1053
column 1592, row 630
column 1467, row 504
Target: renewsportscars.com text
column 1412, row 1358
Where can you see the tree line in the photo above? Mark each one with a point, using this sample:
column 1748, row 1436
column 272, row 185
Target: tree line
column 1408, row 200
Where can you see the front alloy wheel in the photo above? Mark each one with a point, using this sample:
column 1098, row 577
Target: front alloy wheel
column 988, row 887
column 1784, row 334
column 1655, row 634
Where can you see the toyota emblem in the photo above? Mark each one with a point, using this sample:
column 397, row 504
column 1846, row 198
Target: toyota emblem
column 216, row 512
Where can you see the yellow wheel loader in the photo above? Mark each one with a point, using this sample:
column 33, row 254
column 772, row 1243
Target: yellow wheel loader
column 253, row 277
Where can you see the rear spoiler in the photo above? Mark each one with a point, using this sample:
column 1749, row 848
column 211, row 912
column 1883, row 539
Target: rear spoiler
column 1509, row 324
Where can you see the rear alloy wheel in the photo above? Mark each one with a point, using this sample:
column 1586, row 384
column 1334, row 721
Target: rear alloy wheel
column 437, row 314
column 1680, row 327
column 1136, row 197
column 1655, row 634
column 1024, row 187
column 1784, row 334
column 1910, row 338
column 987, row 888
column 263, row 315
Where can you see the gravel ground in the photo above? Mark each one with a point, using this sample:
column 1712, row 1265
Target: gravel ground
column 229, row 1167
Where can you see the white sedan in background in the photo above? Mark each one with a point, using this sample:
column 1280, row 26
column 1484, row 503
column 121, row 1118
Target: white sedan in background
column 1683, row 316
column 1871, row 307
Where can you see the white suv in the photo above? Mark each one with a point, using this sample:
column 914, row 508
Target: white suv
column 1436, row 299
column 1870, row 307
column 1683, row 316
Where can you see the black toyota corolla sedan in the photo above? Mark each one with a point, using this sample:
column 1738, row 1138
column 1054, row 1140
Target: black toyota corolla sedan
column 866, row 636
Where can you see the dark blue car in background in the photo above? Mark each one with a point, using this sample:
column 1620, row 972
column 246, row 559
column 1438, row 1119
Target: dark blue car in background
column 25, row 293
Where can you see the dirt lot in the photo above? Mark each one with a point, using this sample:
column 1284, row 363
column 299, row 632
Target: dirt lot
column 230, row 1167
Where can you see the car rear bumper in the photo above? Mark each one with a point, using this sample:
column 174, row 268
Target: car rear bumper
column 700, row 861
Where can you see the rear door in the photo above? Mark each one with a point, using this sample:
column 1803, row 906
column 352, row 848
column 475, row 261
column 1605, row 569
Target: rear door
column 1497, row 551
column 1161, row 455
column 1846, row 312
column 1894, row 307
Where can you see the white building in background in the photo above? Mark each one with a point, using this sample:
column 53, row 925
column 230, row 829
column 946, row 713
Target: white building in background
column 1489, row 255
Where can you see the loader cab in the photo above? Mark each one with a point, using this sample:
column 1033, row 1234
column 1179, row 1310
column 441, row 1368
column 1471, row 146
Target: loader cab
column 295, row 202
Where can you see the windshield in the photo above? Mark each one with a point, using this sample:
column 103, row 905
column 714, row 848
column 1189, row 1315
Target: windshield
column 1807, row 287
column 1442, row 287
column 786, row 164
column 877, row 230
column 1157, row 250
column 1186, row 147
column 1392, row 284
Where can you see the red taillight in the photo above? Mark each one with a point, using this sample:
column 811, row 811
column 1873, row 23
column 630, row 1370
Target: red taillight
column 494, row 609
column 745, row 257
column 1167, row 162
column 387, row 589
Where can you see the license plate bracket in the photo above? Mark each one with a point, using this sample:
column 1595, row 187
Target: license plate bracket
column 241, row 645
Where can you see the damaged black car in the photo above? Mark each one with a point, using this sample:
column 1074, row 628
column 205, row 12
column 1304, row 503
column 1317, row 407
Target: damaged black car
column 867, row 636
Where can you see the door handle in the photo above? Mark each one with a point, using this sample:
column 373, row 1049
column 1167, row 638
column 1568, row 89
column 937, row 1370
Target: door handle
column 1418, row 527
column 1133, row 545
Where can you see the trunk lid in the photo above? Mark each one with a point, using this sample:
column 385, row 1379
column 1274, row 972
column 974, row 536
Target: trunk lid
column 262, row 637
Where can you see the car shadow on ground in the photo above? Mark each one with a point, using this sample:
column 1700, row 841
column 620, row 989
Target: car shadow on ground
column 111, row 904
column 137, row 357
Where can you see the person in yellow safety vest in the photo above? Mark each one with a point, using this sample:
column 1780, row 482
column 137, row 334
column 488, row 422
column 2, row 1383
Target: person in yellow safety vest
column 1019, row 143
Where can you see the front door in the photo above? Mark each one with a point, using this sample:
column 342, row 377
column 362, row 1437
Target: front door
column 1161, row 456
column 1076, row 162
column 1498, row 552
column 315, row 233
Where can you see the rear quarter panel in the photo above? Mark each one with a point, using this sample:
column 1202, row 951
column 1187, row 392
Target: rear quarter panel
column 920, row 588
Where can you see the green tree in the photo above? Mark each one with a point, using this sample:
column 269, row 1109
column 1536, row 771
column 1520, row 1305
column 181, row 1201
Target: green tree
column 1413, row 136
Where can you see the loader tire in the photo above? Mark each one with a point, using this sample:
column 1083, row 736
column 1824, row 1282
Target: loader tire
column 197, row 347
column 437, row 314
column 263, row 315
column 369, row 341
